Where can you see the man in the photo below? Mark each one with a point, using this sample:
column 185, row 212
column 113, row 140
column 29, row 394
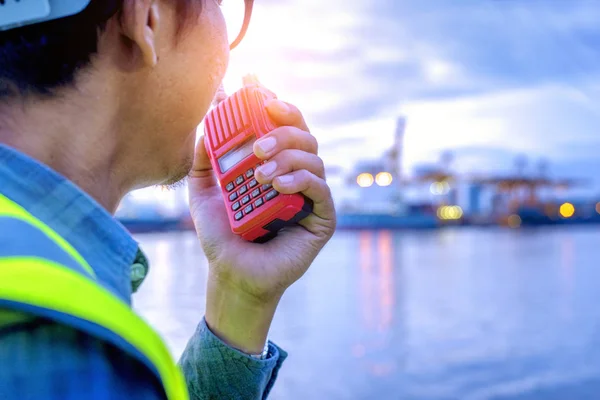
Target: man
column 92, row 106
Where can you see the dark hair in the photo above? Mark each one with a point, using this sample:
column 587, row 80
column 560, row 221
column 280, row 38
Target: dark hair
column 39, row 59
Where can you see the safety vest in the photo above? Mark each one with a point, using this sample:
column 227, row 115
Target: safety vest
column 45, row 276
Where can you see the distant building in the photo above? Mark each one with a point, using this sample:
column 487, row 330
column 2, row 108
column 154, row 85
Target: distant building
column 374, row 185
column 475, row 192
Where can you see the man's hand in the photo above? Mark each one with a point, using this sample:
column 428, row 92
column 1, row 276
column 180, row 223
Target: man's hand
column 247, row 280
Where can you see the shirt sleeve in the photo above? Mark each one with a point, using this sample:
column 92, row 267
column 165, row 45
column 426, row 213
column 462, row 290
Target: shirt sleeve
column 214, row 370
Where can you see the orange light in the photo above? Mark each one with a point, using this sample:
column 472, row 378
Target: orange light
column 365, row 180
column 567, row 210
column 384, row 179
column 514, row 221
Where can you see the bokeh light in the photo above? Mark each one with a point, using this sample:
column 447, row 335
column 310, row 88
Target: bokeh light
column 384, row 179
column 365, row 180
column 450, row 213
column 567, row 210
column 514, row 221
column 439, row 188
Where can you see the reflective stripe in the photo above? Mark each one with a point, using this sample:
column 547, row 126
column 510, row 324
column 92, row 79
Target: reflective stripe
column 46, row 284
column 21, row 239
column 11, row 209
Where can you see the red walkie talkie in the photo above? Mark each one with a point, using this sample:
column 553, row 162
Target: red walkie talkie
column 256, row 212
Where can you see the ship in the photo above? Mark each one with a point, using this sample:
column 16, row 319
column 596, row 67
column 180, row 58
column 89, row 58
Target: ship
column 374, row 194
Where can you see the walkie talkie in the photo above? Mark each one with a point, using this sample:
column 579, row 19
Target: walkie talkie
column 256, row 212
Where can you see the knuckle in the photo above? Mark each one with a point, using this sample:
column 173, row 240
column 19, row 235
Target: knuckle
column 321, row 165
column 287, row 157
column 278, row 133
column 324, row 189
column 314, row 143
column 299, row 138
column 294, row 110
column 305, row 177
column 288, row 137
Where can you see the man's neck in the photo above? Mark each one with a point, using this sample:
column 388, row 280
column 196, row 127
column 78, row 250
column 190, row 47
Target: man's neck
column 73, row 135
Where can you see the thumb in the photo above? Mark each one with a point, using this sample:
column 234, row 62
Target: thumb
column 285, row 114
column 202, row 175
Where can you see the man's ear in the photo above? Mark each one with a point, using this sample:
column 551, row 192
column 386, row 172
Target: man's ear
column 140, row 23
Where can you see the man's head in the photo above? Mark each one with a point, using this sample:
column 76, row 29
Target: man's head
column 147, row 72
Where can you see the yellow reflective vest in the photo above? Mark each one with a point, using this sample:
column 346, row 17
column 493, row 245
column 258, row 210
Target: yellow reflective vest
column 57, row 283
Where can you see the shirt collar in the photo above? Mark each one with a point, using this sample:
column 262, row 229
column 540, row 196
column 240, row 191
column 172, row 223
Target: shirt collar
column 80, row 220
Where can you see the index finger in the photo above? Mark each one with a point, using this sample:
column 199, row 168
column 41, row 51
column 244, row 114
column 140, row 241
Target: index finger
column 283, row 138
column 286, row 114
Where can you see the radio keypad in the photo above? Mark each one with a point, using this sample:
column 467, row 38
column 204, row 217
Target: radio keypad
column 271, row 195
column 259, row 196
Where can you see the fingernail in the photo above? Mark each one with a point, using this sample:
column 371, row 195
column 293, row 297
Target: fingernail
column 268, row 168
column 285, row 179
column 267, row 144
column 278, row 106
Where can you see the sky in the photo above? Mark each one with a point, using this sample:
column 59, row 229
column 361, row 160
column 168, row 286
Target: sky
column 487, row 79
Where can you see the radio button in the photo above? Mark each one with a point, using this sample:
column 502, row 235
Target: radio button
column 236, row 206
column 255, row 193
column 243, row 189
column 271, row 195
column 239, row 180
column 248, row 209
column 230, row 186
column 233, row 196
column 259, row 203
column 250, row 173
column 253, row 183
column 239, row 216
column 246, row 200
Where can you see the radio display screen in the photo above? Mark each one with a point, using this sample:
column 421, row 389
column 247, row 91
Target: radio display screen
column 236, row 155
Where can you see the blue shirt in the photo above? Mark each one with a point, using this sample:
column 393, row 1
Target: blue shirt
column 40, row 359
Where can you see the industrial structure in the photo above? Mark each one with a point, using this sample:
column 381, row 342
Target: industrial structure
column 376, row 197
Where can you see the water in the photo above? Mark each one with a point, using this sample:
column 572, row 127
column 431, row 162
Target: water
column 456, row 314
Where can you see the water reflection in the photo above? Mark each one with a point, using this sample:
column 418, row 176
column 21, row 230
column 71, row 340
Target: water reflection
column 366, row 260
column 458, row 314
column 377, row 297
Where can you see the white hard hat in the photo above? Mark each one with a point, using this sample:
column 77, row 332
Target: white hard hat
column 16, row 13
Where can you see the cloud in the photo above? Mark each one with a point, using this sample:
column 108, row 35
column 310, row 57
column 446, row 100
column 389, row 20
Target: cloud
column 508, row 76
